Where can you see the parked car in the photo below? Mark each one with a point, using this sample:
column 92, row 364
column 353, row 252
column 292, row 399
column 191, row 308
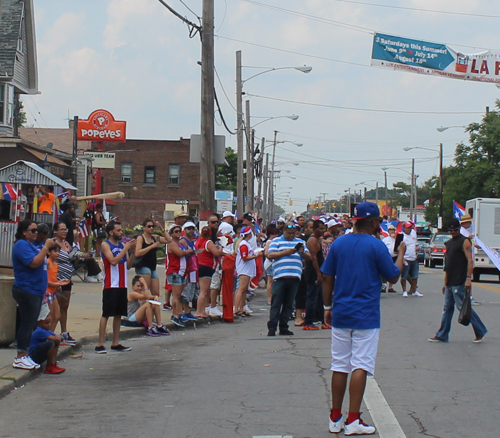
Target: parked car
column 434, row 252
column 422, row 244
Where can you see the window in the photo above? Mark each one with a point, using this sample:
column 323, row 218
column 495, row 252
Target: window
column 174, row 174
column 20, row 39
column 6, row 104
column 126, row 172
column 149, row 175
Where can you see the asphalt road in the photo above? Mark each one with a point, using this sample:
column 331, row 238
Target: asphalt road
column 231, row 380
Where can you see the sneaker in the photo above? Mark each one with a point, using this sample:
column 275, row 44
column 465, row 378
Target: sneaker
column 177, row 321
column 53, row 369
column 167, row 306
column 67, row 339
column 183, row 317
column 359, row 428
column 309, row 327
column 336, row 426
column 214, row 311
column 152, row 331
column 271, row 332
column 35, row 364
column 120, row 347
column 247, row 309
column 162, row 330
column 207, row 309
column 191, row 317
column 405, row 294
column 434, row 339
column 478, row 340
column 23, row 363
column 325, row 326
column 92, row 279
column 286, row 332
column 250, row 294
column 417, row 294
column 101, row 349
column 391, row 291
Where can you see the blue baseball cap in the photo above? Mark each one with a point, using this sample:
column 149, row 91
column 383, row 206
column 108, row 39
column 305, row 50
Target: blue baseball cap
column 366, row 210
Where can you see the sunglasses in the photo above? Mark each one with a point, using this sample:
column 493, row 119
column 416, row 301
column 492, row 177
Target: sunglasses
column 291, row 226
column 176, row 231
column 33, row 230
column 150, row 226
column 62, row 229
column 214, row 222
column 189, row 228
column 453, row 229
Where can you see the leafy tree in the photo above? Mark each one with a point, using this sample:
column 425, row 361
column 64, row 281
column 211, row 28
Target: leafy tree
column 21, row 119
column 226, row 176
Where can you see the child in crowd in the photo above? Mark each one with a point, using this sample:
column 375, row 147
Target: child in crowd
column 45, row 344
column 54, row 285
column 141, row 311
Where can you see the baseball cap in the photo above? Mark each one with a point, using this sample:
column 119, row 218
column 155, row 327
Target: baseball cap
column 332, row 223
column 249, row 217
column 454, row 224
column 227, row 213
column 179, row 213
column 188, row 225
column 245, row 230
column 281, row 219
column 391, row 227
column 366, row 210
column 409, row 224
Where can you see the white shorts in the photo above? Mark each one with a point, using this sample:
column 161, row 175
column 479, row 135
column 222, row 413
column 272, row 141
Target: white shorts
column 354, row 349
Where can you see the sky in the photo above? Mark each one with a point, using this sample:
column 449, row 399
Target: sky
column 136, row 59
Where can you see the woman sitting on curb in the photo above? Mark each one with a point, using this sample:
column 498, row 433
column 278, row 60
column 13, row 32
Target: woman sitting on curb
column 142, row 311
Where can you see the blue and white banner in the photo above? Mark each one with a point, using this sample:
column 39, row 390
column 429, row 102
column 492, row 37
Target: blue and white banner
column 436, row 59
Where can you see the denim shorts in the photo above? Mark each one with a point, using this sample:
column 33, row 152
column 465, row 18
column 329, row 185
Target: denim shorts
column 411, row 269
column 176, row 279
column 146, row 271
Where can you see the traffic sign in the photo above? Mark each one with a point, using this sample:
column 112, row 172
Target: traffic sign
column 182, row 201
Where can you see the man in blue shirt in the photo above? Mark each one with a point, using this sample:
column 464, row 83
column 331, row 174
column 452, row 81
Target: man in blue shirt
column 286, row 253
column 352, row 276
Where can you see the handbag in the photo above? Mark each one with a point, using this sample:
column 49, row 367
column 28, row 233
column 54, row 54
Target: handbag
column 100, row 233
column 466, row 309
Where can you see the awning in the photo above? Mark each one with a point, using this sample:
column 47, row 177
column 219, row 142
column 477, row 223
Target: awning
column 25, row 172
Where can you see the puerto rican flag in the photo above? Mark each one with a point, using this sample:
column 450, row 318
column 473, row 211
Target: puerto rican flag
column 458, row 210
column 82, row 227
column 9, row 194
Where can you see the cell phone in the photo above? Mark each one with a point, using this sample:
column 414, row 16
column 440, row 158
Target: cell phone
column 399, row 239
column 298, row 246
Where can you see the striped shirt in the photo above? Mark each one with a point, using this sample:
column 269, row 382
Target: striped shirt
column 115, row 276
column 65, row 267
column 290, row 265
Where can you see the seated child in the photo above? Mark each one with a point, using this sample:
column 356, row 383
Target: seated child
column 45, row 344
column 141, row 311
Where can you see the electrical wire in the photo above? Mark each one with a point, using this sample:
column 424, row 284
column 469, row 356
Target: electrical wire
column 33, row 102
column 193, row 28
column 223, row 90
column 222, row 115
column 364, row 109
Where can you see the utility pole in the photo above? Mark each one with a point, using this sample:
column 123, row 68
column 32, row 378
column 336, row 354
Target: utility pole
column 207, row 166
column 441, row 187
column 250, row 162
column 412, row 187
column 260, row 176
column 239, row 136
column 386, row 197
column 271, row 186
column 376, row 192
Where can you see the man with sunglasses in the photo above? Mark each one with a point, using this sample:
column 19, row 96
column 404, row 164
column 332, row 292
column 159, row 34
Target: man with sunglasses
column 458, row 268
column 286, row 253
column 352, row 279
column 117, row 260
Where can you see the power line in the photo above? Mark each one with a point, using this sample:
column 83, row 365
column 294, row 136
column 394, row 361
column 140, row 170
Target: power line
column 365, row 109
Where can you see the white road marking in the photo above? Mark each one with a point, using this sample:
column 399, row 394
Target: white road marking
column 385, row 421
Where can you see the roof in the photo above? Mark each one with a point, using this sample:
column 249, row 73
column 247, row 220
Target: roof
column 11, row 15
column 61, row 139
column 25, row 172
column 42, row 156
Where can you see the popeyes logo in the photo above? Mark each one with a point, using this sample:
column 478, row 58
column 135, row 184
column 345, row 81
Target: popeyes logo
column 101, row 126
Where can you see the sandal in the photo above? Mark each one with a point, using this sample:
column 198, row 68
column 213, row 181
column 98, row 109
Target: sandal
column 245, row 314
column 299, row 324
column 240, row 314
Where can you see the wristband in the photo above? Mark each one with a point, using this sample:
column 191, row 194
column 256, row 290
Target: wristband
column 327, row 307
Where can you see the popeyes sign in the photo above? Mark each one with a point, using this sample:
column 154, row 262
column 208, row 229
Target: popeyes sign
column 101, row 126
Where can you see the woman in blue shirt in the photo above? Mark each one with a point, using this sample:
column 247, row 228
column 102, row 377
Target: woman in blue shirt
column 30, row 284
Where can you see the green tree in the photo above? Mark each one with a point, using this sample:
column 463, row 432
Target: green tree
column 22, row 119
column 226, row 176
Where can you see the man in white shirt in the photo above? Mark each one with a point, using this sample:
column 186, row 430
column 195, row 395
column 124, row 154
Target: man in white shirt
column 226, row 224
column 410, row 269
column 389, row 242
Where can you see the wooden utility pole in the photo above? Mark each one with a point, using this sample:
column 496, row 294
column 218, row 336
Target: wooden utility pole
column 250, row 161
column 441, row 187
column 207, row 166
column 265, row 196
column 239, row 136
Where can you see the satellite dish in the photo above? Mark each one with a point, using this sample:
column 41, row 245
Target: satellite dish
column 49, row 145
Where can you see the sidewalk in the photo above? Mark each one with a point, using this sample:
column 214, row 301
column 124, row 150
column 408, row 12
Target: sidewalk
column 83, row 325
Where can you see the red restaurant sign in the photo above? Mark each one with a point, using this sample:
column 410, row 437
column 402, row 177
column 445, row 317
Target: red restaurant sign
column 101, row 126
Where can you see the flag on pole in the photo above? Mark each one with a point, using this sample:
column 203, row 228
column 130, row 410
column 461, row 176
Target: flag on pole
column 8, row 192
column 82, row 227
column 458, row 210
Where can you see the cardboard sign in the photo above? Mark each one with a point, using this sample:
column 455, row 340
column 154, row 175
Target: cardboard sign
column 101, row 126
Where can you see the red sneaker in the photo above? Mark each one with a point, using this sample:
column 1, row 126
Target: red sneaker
column 53, row 369
column 309, row 327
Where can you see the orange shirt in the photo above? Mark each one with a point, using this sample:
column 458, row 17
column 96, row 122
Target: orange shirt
column 45, row 203
column 52, row 271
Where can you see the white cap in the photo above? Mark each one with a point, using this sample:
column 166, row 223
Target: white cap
column 281, row 219
column 227, row 213
column 332, row 223
column 188, row 224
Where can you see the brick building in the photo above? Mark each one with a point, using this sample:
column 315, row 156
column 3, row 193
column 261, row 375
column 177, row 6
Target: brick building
column 155, row 176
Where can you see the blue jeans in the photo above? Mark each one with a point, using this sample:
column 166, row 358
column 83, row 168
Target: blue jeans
column 454, row 296
column 29, row 309
column 282, row 299
column 314, row 304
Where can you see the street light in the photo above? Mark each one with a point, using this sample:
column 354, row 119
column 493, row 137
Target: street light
column 444, row 128
column 441, row 185
column 239, row 115
column 292, row 117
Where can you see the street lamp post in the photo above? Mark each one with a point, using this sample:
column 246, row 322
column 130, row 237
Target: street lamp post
column 239, row 119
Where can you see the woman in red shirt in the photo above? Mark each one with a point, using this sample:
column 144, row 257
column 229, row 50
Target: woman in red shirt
column 206, row 267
